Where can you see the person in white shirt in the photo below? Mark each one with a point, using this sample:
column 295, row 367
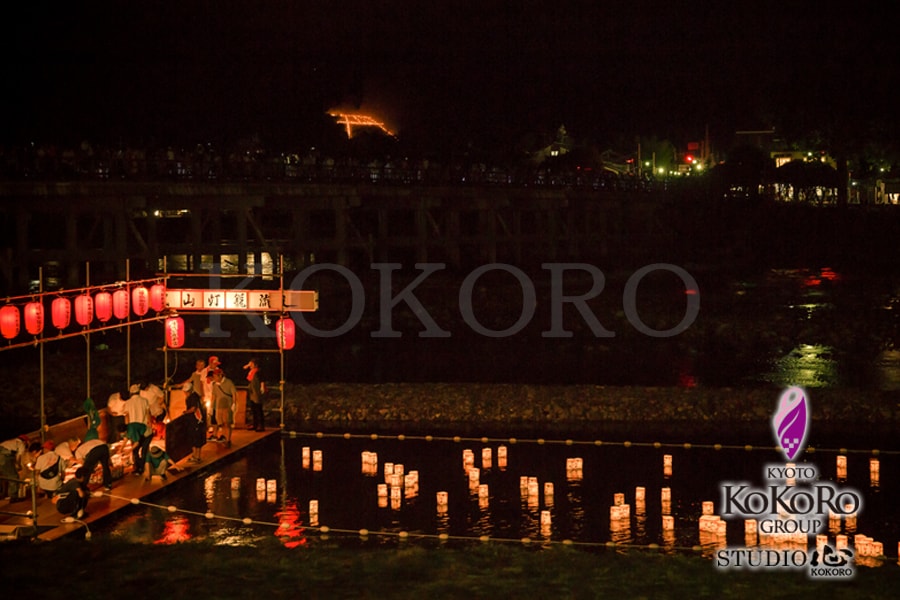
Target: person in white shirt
column 14, row 455
column 137, row 428
column 89, row 454
column 49, row 468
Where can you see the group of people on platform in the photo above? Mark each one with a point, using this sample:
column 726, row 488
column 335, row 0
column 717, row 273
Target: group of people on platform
column 140, row 416
column 211, row 397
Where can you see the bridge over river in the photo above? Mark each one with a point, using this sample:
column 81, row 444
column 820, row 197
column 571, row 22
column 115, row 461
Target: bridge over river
column 66, row 224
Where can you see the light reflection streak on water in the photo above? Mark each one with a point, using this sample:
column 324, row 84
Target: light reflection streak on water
column 176, row 529
column 807, row 366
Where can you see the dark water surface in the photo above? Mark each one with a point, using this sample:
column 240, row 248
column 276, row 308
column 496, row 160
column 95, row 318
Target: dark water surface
column 579, row 508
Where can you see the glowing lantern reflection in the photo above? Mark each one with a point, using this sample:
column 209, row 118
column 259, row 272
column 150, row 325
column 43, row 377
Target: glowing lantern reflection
column 174, row 332
column 61, row 312
column 34, row 318
column 120, row 303
column 84, row 310
column 158, row 297
column 9, row 321
column 103, row 306
column 140, row 300
column 286, row 333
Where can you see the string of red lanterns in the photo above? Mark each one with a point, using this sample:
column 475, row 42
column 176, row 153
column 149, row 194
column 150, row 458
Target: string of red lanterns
column 103, row 306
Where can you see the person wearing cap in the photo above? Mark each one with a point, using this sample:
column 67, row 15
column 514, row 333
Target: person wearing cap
column 15, row 454
column 137, row 428
column 50, row 468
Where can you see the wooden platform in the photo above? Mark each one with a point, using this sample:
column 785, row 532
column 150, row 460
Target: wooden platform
column 102, row 504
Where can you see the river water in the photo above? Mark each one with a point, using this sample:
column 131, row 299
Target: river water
column 346, row 493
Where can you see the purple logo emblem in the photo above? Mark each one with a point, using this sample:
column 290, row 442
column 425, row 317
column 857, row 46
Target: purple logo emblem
column 791, row 423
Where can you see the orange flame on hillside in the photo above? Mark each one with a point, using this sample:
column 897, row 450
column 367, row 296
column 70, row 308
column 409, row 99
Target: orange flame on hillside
column 351, row 120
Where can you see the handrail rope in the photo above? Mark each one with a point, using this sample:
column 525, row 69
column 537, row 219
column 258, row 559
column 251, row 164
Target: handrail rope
column 403, row 535
column 572, row 442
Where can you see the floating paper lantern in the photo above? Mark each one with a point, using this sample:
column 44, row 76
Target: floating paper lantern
column 121, row 304
column 61, row 312
column 841, row 466
column 84, row 310
column 174, row 332
column 286, row 333
column 34, row 318
column 442, row 498
column 103, row 307
column 157, row 297
column 140, row 300
column 9, row 321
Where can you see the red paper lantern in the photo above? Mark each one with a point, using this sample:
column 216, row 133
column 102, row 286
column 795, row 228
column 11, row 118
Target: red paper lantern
column 103, row 306
column 9, row 321
column 174, row 332
column 157, row 297
column 285, row 331
column 140, row 300
column 61, row 312
column 121, row 305
column 34, row 318
column 84, row 310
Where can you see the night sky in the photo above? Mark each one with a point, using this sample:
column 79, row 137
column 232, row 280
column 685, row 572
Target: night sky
column 444, row 75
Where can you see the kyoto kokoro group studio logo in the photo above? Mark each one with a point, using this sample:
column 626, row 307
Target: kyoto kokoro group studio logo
column 793, row 506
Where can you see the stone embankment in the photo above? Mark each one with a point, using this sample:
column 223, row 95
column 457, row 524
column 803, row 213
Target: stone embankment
column 578, row 410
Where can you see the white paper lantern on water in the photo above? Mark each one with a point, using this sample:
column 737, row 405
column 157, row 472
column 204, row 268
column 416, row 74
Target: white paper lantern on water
column 271, row 485
column 640, row 493
column 666, row 494
column 874, row 472
column 261, row 483
column 382, row 490
column 474, row 475
column 501, row 457
column 546, row 519
column 668, row 523
column 442, row 498
column 548, row 489
column 486, row 458
column 618, row 499
column 235, row 483
column 399, row 469
column 707, row 508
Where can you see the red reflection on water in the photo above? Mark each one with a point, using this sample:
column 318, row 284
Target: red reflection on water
column 176, row 529
column 824, row 274
column 290, row 529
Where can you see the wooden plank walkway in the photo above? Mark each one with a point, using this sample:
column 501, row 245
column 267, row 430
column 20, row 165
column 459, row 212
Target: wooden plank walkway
column 50, row 525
